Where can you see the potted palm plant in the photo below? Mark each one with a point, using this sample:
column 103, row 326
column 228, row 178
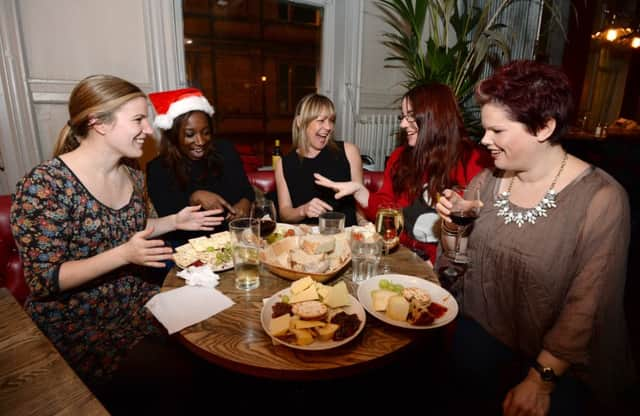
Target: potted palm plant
column 449, row 42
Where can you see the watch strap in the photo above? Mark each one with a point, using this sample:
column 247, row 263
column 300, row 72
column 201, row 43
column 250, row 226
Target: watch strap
column 546, row 373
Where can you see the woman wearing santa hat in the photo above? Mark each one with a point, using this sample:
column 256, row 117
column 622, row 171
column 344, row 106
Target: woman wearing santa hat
column 192, row 168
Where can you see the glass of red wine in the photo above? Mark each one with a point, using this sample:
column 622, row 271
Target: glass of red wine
column 465, row 209
column 265, row 211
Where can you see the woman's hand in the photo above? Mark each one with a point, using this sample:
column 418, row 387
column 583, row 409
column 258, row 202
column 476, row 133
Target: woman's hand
column 531, row 397
column 192, row 219
column 141, row 251
column 358, row 190
column 341, row 188
column 210, row 200
column 443, row 206
column 240, row 209
column 314, row 208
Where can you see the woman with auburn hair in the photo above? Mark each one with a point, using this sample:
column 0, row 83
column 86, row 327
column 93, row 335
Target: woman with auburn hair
column 315, row 152
column 80, row 223
column 437, row 155
column 544, row 298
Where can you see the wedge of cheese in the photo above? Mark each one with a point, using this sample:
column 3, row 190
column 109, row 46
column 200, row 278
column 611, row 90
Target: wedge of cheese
column 380, row 299
column 337, row 296
column 309, row 293
column 301, row 284
column 280, row 325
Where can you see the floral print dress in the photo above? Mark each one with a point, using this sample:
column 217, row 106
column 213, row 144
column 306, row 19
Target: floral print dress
column 55, row 219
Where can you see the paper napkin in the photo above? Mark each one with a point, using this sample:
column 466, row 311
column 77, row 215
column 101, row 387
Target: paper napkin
column 199, row 276
column 179, row 308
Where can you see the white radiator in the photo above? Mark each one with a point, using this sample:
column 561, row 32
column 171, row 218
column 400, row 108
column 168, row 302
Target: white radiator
column 376, row 136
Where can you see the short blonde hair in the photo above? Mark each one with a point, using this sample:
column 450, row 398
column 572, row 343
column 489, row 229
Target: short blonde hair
column 308, row 109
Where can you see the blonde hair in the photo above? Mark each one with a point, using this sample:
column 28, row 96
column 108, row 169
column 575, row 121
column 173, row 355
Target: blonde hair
column 94, row 99
column 308, row 109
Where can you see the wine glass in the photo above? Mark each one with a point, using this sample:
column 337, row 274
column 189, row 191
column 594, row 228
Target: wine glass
column 389, row 224
column 264, row 210
column 464, row 210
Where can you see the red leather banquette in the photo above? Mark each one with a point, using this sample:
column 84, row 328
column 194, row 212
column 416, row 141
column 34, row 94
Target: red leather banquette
column 12, row 277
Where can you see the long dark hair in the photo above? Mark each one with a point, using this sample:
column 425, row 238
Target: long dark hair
column 180, row 164
column 441, row 145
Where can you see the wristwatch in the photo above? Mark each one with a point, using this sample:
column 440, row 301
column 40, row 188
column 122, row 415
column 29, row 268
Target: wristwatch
column 546, row 373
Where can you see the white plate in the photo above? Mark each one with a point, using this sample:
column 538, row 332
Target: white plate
column 267, row 310
column 438, row 295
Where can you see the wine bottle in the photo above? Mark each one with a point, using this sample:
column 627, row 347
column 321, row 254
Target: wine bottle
column 275, row 155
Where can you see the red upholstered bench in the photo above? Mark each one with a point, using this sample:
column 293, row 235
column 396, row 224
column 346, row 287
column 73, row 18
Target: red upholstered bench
column 266, row 182
column 12, row 276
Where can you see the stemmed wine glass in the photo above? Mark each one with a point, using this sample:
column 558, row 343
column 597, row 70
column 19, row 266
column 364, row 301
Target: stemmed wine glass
column 464, row 210
column 264, row 210
column 389, row 224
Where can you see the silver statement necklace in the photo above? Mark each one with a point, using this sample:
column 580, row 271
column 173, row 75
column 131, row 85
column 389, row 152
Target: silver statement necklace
column 547, row 202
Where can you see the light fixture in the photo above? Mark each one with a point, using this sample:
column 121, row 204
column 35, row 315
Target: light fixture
column 616, row 33
column 188, row 41
column 263, row 78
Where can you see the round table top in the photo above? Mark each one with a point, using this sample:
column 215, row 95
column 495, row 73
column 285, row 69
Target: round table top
column 235, row 339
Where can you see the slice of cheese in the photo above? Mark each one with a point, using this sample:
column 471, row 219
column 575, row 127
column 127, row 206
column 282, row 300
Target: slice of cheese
column 302, row 324
column 380, row 299
column 200, row 243
column 301, row 284
column 309, row 293
column 280, row 325
column 338, row 296
column 323, row 290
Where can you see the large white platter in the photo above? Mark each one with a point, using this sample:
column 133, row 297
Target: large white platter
column 437, row 293
column 267, row 309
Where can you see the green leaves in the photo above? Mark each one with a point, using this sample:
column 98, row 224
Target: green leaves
column 459, row 39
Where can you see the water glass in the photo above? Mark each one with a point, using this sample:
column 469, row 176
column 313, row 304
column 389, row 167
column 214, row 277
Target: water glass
column 245, row 246
column 366, row 250
column 331, row 222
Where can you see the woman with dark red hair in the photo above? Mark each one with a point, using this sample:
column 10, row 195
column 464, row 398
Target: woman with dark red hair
column 543, row 300
column 437, row 155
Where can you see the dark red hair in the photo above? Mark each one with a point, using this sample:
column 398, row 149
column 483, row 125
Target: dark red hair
column 441, row 145
column 532, row 93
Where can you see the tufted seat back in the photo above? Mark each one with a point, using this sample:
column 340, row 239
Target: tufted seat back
column 266, row 182
column 11, row 274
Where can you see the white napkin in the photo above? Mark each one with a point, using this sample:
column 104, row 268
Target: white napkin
column 178, row 308
column 199, row 276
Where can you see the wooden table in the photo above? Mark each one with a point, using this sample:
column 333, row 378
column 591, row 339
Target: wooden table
column 234, row 338
column 34, row 378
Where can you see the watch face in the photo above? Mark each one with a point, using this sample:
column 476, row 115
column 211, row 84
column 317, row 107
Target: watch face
column 547, row 374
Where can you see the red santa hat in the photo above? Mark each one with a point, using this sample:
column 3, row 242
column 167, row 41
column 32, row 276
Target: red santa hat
column 171, row 104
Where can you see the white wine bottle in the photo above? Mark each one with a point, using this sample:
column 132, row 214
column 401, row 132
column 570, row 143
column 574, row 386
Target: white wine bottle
column 275, row 155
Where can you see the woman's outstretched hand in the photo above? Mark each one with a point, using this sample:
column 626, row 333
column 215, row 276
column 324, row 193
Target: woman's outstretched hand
column 314, row 208
column 144, row 252
column 192, row 219
column 341, row 188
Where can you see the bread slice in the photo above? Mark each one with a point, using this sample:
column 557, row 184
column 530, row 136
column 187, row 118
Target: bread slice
column 318, row 243
column 285, row 245
column 302, row 258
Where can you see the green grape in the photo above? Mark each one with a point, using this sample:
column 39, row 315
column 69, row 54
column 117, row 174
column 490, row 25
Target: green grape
column 384, row 284
column 284, row 299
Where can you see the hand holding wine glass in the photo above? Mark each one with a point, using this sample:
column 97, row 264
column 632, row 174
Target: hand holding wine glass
column 462, row 207
column 264, row 210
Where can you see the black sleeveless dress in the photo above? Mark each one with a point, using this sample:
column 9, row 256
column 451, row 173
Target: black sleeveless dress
column 333, row 164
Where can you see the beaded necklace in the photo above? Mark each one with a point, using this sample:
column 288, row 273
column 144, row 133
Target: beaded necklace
column 547, row 202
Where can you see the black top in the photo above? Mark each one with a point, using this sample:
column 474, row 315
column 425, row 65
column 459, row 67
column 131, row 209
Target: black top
column 168, row 198
column 298, row 172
